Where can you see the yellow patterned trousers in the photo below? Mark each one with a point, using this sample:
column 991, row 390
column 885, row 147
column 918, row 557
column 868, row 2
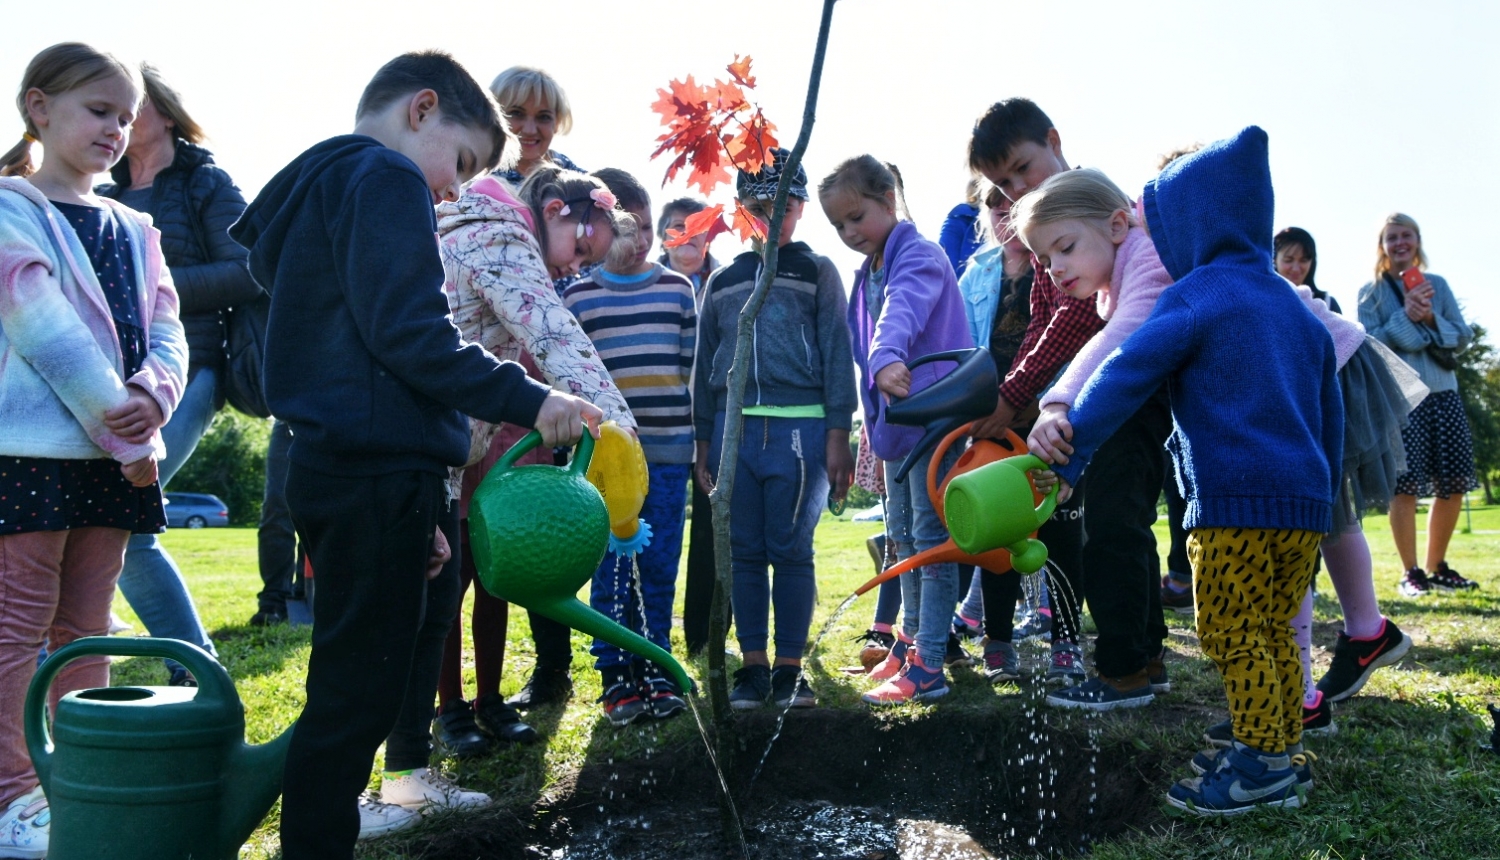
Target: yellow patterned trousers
column 1248, row 585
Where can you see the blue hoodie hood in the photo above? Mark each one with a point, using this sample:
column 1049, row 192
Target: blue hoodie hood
column 1214, row 206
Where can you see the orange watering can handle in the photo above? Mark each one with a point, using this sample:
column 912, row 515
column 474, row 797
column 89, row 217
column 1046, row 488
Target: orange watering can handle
column 1010, row 440
column 581, row 456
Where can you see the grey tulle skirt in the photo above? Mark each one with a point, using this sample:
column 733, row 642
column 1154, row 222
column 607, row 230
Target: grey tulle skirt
column 1380, row 391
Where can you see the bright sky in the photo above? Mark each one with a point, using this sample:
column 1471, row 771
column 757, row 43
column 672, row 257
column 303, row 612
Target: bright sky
column 1371, row 106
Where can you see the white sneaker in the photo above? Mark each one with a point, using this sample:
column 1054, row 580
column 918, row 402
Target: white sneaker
column 24, row 826
column 425, row 789
column 116, row 625
column 378, row 819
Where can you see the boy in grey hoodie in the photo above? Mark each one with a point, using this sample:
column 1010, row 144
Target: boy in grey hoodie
column 799, row 404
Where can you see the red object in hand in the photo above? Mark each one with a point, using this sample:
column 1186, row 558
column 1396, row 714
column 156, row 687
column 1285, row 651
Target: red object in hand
column 1412, row 277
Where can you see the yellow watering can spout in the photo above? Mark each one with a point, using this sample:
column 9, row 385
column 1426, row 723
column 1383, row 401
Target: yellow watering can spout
column 618, row 471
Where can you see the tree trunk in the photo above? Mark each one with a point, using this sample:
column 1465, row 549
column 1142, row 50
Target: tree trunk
column 719, row 499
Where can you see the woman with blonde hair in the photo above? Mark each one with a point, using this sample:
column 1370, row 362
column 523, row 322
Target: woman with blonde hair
column 1413, row 312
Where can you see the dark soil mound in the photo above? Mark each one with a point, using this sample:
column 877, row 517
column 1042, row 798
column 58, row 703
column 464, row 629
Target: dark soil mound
column 1016, row 781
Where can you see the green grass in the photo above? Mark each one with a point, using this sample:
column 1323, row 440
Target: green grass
column 1403, row 777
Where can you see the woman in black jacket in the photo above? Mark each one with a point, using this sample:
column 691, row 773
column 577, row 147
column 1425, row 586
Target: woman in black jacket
column 167, row 175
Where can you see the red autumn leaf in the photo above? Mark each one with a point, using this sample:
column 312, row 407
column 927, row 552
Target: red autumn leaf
column 750, row 149
column 746, row 225
column 706, row 159
column 698, row 132
column 740, row 71
column 709, row 221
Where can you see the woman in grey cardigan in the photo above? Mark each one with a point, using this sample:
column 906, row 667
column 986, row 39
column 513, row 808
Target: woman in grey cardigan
column 1423, row 324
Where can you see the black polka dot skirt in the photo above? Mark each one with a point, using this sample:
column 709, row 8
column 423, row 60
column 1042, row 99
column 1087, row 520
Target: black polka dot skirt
column 1439, row 449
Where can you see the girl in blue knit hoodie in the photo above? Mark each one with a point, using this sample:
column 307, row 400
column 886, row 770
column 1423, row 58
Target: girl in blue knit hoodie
column 1257, row 440
column 905, row 304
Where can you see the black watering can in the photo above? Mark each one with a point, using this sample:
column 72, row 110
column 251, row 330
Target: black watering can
column 969, row 392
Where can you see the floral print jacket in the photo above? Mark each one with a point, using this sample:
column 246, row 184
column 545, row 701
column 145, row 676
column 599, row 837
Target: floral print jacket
column 501, row 298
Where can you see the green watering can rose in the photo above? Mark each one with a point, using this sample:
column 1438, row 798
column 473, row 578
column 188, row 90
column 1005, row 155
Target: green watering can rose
column 538, row 533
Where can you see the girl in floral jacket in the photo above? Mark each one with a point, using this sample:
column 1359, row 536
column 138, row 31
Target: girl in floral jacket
column 501, row 253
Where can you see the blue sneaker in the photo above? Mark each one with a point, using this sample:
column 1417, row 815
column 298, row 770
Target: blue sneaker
column 1241, row 780
column 752, row 688
column 1210, row 759
column 1106, row 694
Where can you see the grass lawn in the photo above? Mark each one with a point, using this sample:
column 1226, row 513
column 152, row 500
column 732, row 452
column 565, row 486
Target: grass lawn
column 1404, row 777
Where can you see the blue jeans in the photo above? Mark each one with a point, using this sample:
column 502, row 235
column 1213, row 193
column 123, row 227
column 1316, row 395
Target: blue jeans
column 642, row 603
column 929, row 593
column 150, row 580
column 781, row 485
column 277, row 539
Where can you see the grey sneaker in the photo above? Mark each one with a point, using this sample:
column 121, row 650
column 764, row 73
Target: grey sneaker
column 1067, row 664
column 1001, row 662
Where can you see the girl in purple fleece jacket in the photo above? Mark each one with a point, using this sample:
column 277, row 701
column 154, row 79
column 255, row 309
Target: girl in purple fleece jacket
column 905, row 304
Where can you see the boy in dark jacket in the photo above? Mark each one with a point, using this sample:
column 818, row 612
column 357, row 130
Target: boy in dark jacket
column 364, row 365
column 799, row 404
column 1259, row 429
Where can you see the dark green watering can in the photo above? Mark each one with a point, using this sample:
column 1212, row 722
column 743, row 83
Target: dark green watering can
column 538, row 533
column 149, row 773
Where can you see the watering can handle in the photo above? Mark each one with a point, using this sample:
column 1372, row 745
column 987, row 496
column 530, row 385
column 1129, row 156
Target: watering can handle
column 581, row 457
column 213, row 681
column 1025, row 463
column 954, row 355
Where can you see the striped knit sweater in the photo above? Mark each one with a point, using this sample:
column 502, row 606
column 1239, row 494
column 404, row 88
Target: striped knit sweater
column 645, row 328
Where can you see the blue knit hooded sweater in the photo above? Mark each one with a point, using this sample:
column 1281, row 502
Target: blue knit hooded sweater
column 1257, row 413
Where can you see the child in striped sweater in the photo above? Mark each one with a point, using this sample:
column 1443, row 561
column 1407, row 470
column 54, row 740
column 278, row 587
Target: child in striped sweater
column 642, row 320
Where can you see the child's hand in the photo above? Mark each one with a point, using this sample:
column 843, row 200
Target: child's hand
column 141, row 473
column 135, row 419
column 560, row 416
column 1045, row 479
column 703, row 473
column 1051, row 435
column 840, row 464
column 441, row 553
column 894, row 379
column 997, row 423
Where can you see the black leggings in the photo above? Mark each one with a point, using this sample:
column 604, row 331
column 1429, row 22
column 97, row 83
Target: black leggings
column 1063, row 535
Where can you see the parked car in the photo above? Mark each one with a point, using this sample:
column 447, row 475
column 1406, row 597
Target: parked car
column 196, row 510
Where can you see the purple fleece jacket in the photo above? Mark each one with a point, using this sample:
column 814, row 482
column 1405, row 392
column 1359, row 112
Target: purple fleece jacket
column 922, row 312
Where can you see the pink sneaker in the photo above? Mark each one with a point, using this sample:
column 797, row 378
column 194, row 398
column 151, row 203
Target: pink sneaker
column 894, row 662
column 917, row 684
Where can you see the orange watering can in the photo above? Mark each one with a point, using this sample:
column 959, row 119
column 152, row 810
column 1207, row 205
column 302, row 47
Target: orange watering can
column 993, row 498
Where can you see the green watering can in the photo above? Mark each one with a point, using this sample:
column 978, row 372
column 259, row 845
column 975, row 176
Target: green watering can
column 538, row 534
column 992, row 507
column 149, row 773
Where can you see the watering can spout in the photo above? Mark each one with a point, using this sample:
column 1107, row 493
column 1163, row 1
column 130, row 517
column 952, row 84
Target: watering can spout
column 575, row 614
column 253, row 783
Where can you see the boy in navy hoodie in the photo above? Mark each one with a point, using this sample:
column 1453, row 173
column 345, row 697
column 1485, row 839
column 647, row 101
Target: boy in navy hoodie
column 1258, row 423
column 364, row 365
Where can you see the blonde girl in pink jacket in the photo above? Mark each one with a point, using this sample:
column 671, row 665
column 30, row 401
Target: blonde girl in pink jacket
column 92, row 362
